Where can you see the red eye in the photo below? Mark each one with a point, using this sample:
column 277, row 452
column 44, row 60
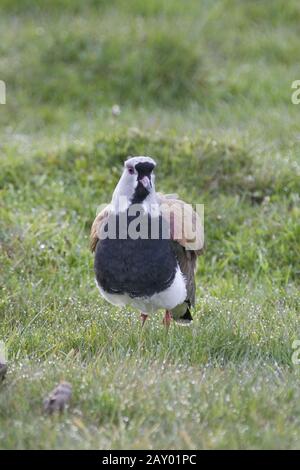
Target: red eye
column 130, row 170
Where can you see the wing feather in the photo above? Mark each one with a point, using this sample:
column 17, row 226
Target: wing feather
column 98, row 223
column 185, row 225
column 187, row 233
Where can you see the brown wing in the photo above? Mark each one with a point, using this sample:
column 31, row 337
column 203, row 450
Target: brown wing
column 185, row 225
column 187, row 260
column 186, row 229
column 98, row 223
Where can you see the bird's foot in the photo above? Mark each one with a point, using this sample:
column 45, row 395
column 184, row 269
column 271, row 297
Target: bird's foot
column 144, row 317
column 167, row 319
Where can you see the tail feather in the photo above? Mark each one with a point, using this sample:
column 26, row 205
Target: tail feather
column 186, row 318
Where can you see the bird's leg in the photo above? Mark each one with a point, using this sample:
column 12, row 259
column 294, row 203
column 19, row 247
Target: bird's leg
column 167, row 319
column 144, row 317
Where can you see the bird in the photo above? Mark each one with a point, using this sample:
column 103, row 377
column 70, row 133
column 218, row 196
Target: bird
column 134, row 267
column 58, row 398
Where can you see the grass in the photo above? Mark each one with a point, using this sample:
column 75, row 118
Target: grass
column 205, row 89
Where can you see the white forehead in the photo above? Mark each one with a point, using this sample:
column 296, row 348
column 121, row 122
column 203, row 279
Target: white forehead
column 132, row 161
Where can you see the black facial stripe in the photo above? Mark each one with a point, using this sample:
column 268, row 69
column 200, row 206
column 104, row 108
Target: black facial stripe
column 144, row 169
column 140, row 194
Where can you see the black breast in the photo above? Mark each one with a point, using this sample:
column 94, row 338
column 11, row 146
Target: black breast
column 138, row 267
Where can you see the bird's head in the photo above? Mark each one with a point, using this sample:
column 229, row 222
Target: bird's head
column 137, row 180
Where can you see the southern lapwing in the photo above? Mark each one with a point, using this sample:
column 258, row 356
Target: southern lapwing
column 146, row 246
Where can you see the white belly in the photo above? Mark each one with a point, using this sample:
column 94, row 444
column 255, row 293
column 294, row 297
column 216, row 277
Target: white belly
column 168, row 299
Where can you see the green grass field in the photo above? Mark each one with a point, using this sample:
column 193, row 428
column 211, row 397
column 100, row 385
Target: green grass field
column 204, row 88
